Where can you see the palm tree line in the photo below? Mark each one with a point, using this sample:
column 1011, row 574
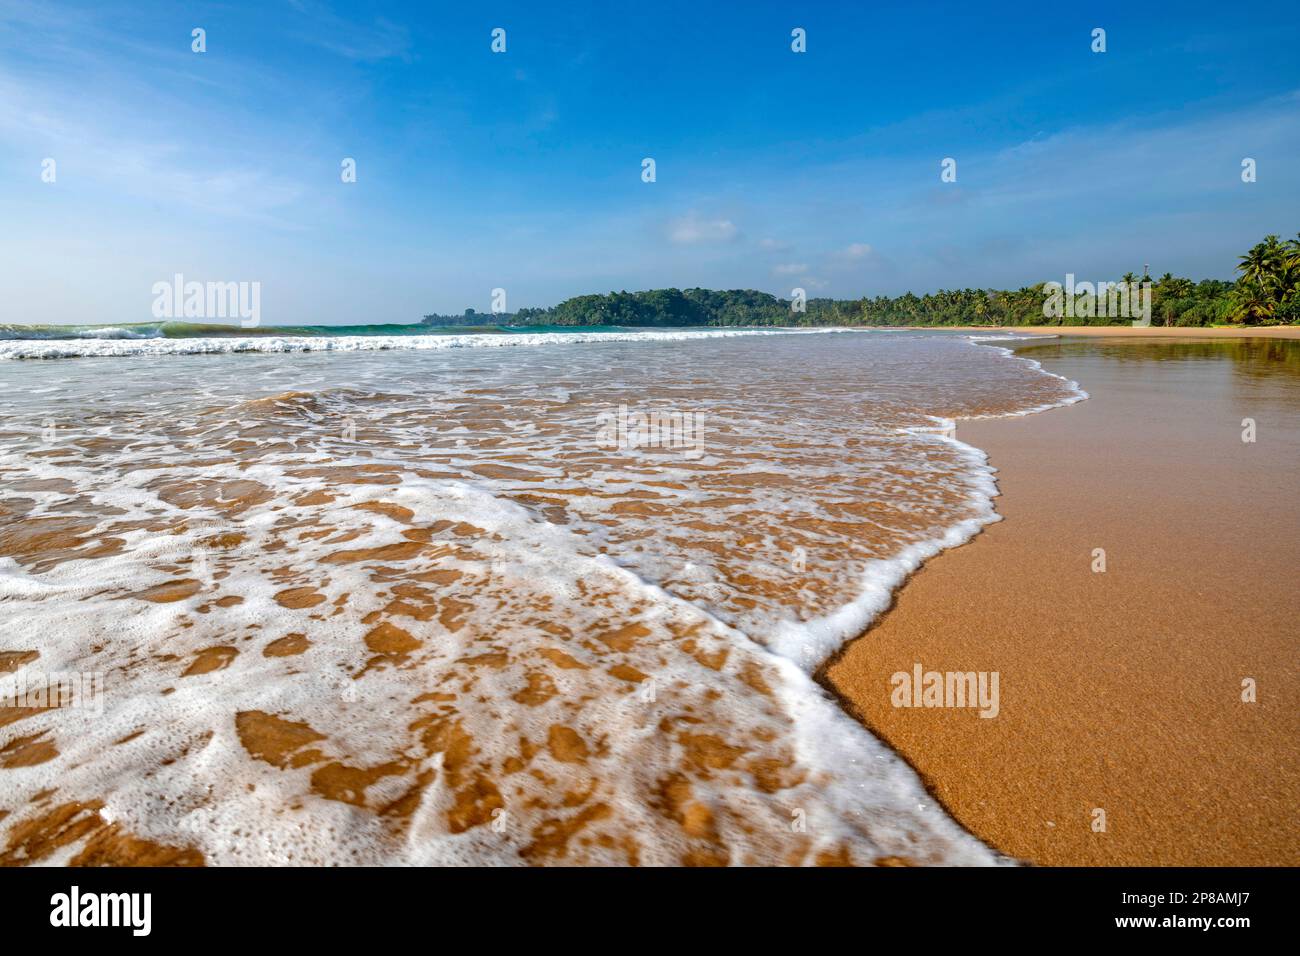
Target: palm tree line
column 1266, row 292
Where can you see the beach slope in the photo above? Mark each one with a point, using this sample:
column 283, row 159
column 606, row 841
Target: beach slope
column 1121, row 690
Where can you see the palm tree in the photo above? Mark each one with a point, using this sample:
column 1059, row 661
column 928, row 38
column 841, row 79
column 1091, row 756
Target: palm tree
column 1251, row 305
column 1260, row 264
column 1269, row 283
column 1289, row 256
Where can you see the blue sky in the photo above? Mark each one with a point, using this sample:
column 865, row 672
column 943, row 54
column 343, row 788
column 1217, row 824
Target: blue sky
column 522, row 170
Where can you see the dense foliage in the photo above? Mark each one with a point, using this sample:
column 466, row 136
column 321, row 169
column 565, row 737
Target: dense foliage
column 1267, row 292
column 1269, row 288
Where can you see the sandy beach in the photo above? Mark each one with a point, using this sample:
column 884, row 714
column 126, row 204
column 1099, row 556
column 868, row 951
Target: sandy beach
column 424, row 608
column 1121, row 690
column 1161, row 332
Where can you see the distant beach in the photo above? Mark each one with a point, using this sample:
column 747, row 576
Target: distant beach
column 1158, row 331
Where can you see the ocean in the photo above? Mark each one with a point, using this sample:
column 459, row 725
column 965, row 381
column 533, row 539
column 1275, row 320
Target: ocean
column 493, row 597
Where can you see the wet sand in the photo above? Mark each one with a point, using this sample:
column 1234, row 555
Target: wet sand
column 1120, row 690
column 1156, row 331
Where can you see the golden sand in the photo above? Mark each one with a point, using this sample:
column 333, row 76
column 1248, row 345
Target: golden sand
column 1120, row 691
column 1156, row 331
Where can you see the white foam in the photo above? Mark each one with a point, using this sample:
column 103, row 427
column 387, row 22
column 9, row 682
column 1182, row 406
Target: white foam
column 1076, row 392
column 812, row 642
column 804, row 434
column 118, row 342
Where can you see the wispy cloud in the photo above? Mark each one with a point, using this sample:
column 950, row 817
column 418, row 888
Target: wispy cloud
column 366, row 42
column 91, row 148
column 692, row 230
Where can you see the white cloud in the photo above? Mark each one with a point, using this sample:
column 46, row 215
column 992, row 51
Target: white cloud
column 790, row 269
column 691, row 230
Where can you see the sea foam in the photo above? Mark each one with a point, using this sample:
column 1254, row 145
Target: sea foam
column 122, row 342
column 355, row 611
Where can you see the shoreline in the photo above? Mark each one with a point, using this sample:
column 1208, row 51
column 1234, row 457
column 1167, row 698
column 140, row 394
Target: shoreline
column 1151, row 332
column 1110, row 682
column 959, row 762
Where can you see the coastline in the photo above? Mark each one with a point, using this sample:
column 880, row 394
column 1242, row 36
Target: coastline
column 396, row 630
column 1120, row 690
column 1072, row 733
column 1158, row 332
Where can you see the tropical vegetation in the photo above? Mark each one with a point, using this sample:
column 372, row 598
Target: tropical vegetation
column 1267, row 292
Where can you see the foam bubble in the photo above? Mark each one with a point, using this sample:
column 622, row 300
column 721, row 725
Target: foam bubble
column 351, row 610
column 110, row 342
